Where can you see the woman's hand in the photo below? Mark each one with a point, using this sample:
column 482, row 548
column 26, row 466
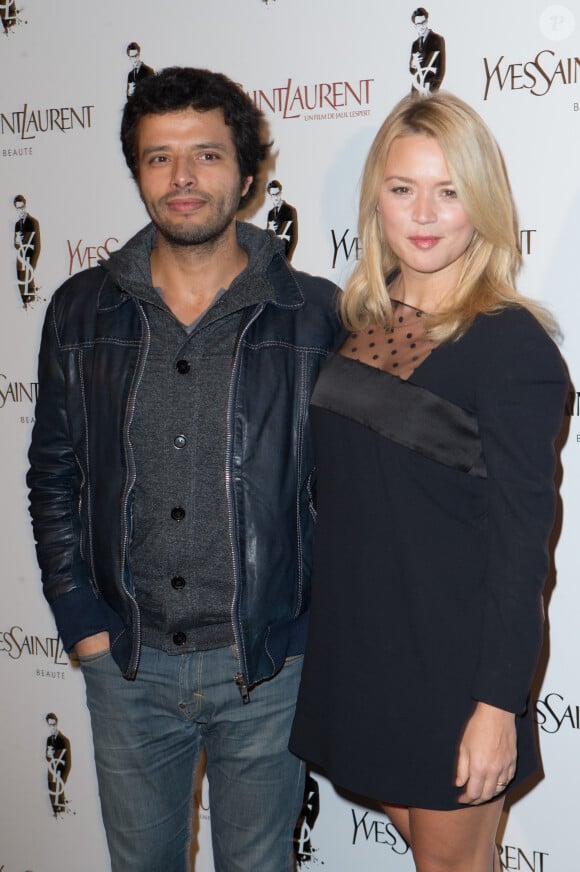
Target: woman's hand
column 486, row 761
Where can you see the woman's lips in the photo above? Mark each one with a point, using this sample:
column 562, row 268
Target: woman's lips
column 424, row 242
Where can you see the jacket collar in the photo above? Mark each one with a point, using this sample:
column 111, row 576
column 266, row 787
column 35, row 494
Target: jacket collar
column 129, row 273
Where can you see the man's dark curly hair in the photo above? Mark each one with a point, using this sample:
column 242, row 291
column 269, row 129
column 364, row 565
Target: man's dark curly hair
column 176, row 88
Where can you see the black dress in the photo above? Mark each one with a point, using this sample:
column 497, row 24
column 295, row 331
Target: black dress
column 435, row 502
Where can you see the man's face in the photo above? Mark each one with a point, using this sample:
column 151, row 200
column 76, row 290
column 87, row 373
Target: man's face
column 52, row 725
column 421, row 25
column 20, row 207
column 188, row 175
column 135, row 58
column 276, row 195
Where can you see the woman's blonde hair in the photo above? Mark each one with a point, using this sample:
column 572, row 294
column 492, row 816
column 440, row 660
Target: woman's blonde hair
column 477, row 170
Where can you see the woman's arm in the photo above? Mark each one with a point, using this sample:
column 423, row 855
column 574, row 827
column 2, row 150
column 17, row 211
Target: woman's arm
column 520, row 402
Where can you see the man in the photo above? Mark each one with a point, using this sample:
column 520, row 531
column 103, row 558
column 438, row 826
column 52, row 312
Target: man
column 282, row 218
column 427, row 64
column 59, row 761
column 27, row 245
column 139, row 70
column 171, row 488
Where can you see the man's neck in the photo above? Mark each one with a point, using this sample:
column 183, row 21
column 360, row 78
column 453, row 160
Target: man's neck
column 190, row 276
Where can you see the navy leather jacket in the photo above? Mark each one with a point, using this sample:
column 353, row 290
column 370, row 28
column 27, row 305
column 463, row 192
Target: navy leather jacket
column 94, row 346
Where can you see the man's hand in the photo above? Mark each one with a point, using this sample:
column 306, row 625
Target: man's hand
column 92, row 644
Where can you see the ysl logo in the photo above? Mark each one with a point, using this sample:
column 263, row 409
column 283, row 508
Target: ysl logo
column 421, row 73
column 24, row 253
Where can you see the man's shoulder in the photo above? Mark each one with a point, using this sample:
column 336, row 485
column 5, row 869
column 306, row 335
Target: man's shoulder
column 315, row 287
column 91, row 304
column 99, row 285
column 310, row 301
column 435, row 38
column 85, row 283
column 81, row 295
column 320, row 300
column 312, row 288
column 288, row 210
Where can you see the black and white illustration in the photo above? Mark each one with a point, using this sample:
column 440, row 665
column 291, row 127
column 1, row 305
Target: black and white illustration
column 305, row 852
column 8, row 15
column 427, row 63
column 138, row 70
column 282, row 218
column 27, row 246
column 58, row 759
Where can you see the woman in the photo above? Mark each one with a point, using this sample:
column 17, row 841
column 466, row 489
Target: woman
column 434, row 429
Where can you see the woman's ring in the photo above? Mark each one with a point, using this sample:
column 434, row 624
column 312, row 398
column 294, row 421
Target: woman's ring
column 502, row 784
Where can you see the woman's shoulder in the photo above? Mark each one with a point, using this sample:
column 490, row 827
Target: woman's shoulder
column 510, row 317
column 512, row 338
column 512, row 327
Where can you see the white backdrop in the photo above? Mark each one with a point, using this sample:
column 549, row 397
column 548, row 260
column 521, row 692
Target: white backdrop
column 325, row 72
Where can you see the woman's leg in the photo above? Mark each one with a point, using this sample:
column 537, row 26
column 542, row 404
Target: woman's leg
column 454, row 841
column 399, row 815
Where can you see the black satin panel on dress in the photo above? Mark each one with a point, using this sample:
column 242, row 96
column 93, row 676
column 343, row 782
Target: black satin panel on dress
column 406, row 413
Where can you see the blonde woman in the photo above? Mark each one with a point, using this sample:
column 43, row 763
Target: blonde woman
column 434, row 426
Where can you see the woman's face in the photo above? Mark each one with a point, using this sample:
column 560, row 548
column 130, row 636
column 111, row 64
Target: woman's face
column 424, row 223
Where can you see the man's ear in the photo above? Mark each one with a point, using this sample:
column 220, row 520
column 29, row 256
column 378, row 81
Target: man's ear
column 246, row 185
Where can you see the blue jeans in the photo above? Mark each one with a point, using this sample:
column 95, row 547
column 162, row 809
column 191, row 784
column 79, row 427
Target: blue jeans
column 147, row 736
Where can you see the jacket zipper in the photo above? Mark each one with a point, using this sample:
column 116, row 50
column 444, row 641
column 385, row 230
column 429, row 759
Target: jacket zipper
column 130, row 483
column 87, row 551
column 240, row 677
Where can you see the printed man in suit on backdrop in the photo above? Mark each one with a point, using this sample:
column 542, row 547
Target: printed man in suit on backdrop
column 139, row 70
column 27, row 245
column 282, row 218
column 58, row 757
column 427, row 64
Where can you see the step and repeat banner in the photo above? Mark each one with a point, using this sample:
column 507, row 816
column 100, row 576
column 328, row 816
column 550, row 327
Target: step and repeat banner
column 325, row 73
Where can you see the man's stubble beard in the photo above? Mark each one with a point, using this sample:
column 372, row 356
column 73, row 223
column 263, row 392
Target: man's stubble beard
column 208, row 233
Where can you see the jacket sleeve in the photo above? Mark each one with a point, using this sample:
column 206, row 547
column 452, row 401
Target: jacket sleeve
column 54, row 480
column 521, row 396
